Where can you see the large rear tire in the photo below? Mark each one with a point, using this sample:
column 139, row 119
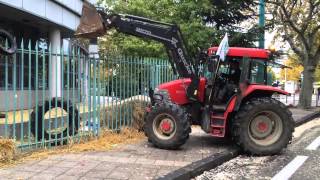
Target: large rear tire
column 263, row 126
column 167, row 126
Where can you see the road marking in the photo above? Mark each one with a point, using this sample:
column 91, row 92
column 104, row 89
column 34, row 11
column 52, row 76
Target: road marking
column 290, row 168
column 314, row 145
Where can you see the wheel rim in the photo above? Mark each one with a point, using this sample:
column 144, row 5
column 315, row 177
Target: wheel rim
column 265, row 128
column 164, row 126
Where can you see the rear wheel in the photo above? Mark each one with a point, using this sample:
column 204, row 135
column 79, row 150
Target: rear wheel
column 167, row 126
column 263, row 126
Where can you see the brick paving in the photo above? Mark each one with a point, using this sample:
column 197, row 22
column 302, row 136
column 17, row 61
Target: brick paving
column 134, row 161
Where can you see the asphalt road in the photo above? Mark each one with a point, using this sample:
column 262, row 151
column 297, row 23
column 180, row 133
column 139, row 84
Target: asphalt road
column 301, row 160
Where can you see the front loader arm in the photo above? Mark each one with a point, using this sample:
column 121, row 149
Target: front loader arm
column 95, row 23
column 168, row 35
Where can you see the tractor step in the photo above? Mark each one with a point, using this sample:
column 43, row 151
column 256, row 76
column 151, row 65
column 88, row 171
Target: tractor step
column 218, row 125
column 217, row 122
column 217, row 117
column 218, row 132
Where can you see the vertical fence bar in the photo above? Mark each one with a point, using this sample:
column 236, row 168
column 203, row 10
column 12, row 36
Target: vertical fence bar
column 129, row 103
column 22, row 93
column 123, row 107
column 108, row 95
column 131, row 86
column 73, row 89
column 99, row 95
column 89, row 94
column 105, row 93
column 29, row 92
column 56, row 97
column 15, row 94
column 94, row 106
column 84, row 114
column 68, row 91
column 62, row 95
column 7, row 94
column 43, row 94
column 36, row 93
column 79, row 59
column 49, row 91
column 116, row 90
column 112, row 93
column 119, row 92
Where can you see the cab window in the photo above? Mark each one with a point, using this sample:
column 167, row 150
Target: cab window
column 257, row 71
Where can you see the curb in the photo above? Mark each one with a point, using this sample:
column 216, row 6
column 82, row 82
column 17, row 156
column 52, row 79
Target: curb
column 307, row 118
column 198, row 167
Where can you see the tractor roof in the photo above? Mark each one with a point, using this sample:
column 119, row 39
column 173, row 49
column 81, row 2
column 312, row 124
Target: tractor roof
column 244, row 52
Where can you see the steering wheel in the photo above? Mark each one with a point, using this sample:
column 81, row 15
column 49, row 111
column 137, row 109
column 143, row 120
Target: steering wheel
column 12, row 43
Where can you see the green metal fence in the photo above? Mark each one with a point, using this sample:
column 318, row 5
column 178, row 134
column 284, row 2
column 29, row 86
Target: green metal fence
column 50, row 96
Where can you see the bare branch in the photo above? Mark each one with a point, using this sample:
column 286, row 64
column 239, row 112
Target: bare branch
column 294, row 26
column 293, row 45
column 309, row 17
column 273, row 2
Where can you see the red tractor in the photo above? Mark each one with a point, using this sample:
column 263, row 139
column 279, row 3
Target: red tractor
column 227, row 98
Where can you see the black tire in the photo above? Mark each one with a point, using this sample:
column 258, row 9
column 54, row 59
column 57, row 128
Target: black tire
column 260, row 109
column 38, row 131
column 179, row 118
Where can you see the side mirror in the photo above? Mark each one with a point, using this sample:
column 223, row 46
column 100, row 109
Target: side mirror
column 212, row 63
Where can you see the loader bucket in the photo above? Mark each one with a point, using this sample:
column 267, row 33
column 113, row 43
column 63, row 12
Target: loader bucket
column 91, row 23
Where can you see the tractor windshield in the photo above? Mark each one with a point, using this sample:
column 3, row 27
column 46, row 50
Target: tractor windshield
column 257, row 73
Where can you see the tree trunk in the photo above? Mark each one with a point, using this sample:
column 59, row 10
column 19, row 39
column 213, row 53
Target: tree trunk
column 307, row 87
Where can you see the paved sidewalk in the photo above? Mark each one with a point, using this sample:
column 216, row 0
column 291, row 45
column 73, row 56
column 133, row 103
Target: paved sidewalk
column 135, row 161
column 299, row 113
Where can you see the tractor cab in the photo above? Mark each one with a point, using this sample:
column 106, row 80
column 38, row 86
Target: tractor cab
column 242, row 67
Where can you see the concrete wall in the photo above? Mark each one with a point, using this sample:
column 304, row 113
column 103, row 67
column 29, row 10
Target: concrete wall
column 23, row 97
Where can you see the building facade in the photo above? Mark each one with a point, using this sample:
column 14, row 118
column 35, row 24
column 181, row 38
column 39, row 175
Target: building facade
column 40, row 23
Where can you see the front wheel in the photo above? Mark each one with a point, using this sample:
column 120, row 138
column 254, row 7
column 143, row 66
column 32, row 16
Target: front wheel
column 167, row 126
column 263, row 126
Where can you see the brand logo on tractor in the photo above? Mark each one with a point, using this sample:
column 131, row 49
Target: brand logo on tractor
column 184, row 61
column 143, row 31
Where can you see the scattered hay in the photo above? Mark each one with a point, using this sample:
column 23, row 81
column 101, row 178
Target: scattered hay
column 138, row 115
column 106, row 141
column 7, row 150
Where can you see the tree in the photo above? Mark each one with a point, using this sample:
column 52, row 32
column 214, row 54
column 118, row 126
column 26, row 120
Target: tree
column 202, row 22
column 227, row 13
column 298, row 23
column 294, row 73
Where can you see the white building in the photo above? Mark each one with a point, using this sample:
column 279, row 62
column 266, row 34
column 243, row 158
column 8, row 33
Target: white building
column 45, row 20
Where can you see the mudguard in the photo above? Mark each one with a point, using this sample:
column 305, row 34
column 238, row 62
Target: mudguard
column 269, row 90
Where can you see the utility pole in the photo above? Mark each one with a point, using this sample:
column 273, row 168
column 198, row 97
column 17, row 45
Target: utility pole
column 262, row 6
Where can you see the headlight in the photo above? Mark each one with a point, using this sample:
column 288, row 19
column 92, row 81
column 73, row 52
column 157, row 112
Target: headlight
column 157, row 97
column 160, row 94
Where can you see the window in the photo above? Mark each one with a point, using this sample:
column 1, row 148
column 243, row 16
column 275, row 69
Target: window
column 70, row 72
column 18, row 72
column 257, row 72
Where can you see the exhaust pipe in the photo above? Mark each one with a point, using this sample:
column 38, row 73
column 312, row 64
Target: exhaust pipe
column 91, row 23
